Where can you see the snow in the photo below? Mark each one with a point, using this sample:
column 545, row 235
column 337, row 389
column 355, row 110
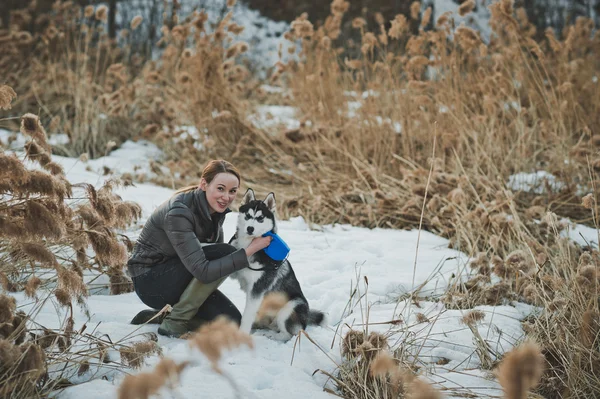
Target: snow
column 386, row 265
column 131, row 157
column 267, row 116
column 274, row 116
column 477, row 19
column 538, row 182
column 582, row 235
column 272, row 89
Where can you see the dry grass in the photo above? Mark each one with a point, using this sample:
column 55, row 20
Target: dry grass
column 369, row 370
column 370, row 367
column 43, row 222
column 521, row 371
column 48, row 237
column 218, row 336
column 491, row 110
column 212, row 339
column 440, row 121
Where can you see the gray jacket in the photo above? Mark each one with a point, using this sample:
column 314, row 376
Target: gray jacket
column 176, row 229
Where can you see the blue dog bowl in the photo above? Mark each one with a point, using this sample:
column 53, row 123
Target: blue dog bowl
column 277, row 250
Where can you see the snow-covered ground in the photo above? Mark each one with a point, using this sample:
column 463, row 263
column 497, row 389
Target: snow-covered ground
column 329, row 262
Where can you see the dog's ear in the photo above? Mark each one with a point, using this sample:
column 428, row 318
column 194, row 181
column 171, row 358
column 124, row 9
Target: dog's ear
column 249, row 196
column 270, row 201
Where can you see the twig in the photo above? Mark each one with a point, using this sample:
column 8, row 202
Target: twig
column 423, row 206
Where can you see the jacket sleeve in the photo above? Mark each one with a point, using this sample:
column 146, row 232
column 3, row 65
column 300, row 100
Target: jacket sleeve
column 179, row 226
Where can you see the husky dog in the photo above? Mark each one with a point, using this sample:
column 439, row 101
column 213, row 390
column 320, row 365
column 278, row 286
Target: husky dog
column 268, row 278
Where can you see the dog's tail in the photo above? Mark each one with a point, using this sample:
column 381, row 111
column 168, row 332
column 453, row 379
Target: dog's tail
column 315, row 317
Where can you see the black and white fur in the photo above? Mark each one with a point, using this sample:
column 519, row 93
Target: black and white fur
column 255, row 219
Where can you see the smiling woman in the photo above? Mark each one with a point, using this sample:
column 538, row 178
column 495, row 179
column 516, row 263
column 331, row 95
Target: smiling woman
column 180, row 257
column 221, row 192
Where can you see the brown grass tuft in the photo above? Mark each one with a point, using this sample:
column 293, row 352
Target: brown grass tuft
column 473, row 317
column 101, row 13
column 41, row 222
column 21, row 367
column 419, row 389
column 134, row 356
column 466, row 7
column 8, row 305
column 590, row 327
column 521, row 370
column 421, row 318
column 7, row 94
column 382, row 365
column 352, row 340
column 63, row 297
column 136, row 22
column 302, row 28
column 426, row 17
column 33, row 283
column 71, row 281
column 39, row 182
column 84, row 367
column 31, row 126
column 339, row 7
column 88, row 11
column 359, row 23
column 12, row 168
column 38, row 252
column 588, row 201
column 215, row 337
column 399, row 27
column 378, row 340
column 415, row 9
column 144, row 385
column 7, row 284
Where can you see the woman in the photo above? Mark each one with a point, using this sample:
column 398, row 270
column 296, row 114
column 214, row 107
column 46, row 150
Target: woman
column 169, row 265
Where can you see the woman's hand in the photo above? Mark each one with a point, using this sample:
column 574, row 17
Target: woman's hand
column 257, row 244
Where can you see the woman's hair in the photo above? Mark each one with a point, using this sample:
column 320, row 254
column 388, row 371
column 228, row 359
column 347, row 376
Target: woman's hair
column 212, row 169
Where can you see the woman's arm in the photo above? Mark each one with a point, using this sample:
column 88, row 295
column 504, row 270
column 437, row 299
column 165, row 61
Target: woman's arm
column 179, row 226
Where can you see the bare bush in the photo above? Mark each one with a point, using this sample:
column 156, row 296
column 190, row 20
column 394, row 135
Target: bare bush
column 48, row 240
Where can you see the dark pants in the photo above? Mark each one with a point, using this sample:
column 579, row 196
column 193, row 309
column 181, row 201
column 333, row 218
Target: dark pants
column 164, row 283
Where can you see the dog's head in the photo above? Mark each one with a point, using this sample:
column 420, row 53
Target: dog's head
column 256, row 217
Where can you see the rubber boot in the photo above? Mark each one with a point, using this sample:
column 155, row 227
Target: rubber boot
column 177, row 322
column 148, row 316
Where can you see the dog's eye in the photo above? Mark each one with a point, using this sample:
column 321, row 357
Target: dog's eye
column 260, row 219
column 247, row 217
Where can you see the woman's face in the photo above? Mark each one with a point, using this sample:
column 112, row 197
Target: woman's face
column 221, row 191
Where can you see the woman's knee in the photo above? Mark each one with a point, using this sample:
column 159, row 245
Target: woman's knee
column 216, row 251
